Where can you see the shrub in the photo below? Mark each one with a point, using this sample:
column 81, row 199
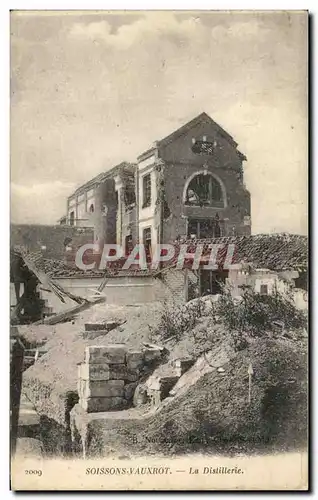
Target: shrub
column 177, row 319
column 254, row 314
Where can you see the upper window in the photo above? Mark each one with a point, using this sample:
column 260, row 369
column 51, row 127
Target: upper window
column 203, row 147
column 204, row 190
column 128, row 244
column 146, row 190
column 129, row 196
column 72, row 218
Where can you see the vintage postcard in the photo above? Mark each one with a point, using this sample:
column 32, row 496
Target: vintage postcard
column 159, row 250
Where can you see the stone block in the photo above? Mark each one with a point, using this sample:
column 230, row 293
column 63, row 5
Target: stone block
column 140, row 395
column 183, row 362
column 152, row 354
column 104, row 326
column 121, row 372
column 182, row 365
column 134, row 367
column 161, row 384
column 153, row 383
column 92, row 405
column 134, row 359
column 92, row 327
column 101, row 388
column 111, row 325
column 112, row 353
column 155, row 397
column 129, row 390
column 93, row 371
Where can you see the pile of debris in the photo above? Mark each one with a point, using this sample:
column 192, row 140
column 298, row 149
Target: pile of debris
column 215, row 409
column 197, row 388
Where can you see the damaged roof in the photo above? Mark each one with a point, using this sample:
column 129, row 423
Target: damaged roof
column 277, row 252
column 59, row 269
column 122, row 168
column 25, row 264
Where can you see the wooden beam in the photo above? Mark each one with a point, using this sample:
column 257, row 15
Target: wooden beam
column 49, row 283
column 70, row 313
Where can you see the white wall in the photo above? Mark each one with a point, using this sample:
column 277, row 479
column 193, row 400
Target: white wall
column 147, row 214
column 121, row 290
column 81, row 210
column 272, row 282
column 301, row 299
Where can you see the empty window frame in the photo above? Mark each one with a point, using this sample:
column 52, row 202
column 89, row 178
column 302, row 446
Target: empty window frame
column 129, row 196
column 72, row 218
column 204, row 228
column 128, row 244
column 146, row 191
column 146, row 237
column 204, row 190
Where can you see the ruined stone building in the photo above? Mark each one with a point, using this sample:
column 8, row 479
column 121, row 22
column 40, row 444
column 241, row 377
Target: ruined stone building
column 188, row 184
column 188, row 187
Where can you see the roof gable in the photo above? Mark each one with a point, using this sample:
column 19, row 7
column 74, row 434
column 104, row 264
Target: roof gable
column 202, row 118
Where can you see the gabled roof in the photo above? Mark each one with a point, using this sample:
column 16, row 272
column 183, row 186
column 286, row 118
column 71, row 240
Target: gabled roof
column 202, row 118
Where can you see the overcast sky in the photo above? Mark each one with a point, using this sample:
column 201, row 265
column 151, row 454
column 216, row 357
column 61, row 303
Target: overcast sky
column 89, row 90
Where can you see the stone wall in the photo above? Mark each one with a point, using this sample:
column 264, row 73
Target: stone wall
column 105, row 213
column 109, row 376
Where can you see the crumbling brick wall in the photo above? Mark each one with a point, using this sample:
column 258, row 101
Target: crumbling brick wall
column 176, row 284
column 225, row 163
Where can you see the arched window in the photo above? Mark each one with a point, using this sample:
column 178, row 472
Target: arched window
column 204, row 190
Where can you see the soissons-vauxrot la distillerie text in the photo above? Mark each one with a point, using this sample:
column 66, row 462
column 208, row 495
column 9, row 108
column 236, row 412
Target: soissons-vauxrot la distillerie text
column 131, row 471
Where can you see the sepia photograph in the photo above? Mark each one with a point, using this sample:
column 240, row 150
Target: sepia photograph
column 159, row 250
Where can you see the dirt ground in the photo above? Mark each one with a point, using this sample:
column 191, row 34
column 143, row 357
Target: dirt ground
column 214, row 411
column 215, row 414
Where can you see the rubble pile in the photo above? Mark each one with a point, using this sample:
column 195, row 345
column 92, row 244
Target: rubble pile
column 189, row 394
column 211, row 411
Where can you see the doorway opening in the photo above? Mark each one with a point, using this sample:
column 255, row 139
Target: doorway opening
column 211, row 282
